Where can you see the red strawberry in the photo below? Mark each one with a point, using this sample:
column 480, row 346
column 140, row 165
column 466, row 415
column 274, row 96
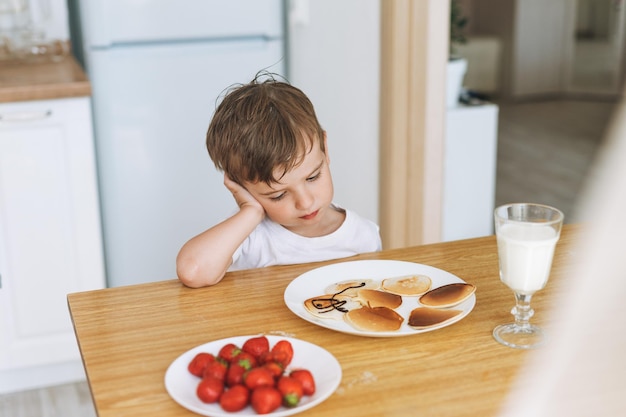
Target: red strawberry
column 210, row 389
column 265, row 357
column 199, row 362
column 306, row 378
column 256, row 346
column 235, row 399
column 282, row 352
column 264, row 400
column 275, row 368
column 234, row 375
column 291, row 390
column 217, row 369
column 245, row 359
column 228, row 352
column 257, row 377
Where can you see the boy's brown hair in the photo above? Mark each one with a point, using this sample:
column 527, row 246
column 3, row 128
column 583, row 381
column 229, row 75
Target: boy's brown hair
column 260, row 126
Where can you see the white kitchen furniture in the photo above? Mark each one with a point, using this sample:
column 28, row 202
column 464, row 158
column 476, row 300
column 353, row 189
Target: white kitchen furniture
column 157, row 69
column 50, row 239
column 469, row 171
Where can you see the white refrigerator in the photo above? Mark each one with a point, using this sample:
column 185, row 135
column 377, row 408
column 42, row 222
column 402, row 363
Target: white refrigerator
column 157, row 68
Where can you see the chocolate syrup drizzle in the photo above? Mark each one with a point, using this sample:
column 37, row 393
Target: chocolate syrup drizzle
column 326, row 305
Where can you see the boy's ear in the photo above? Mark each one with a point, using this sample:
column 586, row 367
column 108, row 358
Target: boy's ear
column 326, row 148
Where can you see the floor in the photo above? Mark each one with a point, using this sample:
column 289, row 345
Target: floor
column 545, row 151
column 70, row 400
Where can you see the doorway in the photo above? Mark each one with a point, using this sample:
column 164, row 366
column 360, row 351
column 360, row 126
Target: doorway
column 595, row 63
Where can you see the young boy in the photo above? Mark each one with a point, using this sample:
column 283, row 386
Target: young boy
column 266, row 138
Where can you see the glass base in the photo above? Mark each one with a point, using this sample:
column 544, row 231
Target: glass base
column 512, row 335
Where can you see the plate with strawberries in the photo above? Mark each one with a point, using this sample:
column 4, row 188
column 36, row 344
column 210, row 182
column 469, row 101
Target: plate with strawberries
column 252, row 375
column 380, row 298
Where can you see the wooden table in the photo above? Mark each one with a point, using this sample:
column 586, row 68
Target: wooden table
column 128, row 336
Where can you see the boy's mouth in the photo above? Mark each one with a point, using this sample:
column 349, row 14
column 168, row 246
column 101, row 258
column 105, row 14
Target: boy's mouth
column 310, row 216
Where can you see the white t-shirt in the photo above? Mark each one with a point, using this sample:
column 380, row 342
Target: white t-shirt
column 272, row 244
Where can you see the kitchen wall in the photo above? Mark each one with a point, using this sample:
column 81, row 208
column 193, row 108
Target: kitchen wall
column 334, row 57
column 50, row 17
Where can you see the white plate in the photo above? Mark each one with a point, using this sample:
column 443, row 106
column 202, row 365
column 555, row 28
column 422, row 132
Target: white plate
column 181, row 385
column 313, row 283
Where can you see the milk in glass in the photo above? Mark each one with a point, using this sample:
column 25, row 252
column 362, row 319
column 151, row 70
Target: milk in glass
column 525, row 253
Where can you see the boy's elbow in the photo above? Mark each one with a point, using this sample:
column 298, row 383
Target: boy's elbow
column 188, row 274
column 191, row 274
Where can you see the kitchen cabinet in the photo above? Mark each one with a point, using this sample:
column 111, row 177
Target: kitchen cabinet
column 50, row 238
column 470, row 158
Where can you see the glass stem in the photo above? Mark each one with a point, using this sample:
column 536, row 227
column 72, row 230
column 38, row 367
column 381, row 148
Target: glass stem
column 522, row 310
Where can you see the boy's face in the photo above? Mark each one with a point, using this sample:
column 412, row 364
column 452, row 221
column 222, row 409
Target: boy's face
column 301, row 200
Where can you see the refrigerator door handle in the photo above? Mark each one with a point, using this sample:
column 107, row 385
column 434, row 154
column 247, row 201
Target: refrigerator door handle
column 25, row 116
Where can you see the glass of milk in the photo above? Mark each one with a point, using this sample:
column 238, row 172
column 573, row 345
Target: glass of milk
column 526, row 235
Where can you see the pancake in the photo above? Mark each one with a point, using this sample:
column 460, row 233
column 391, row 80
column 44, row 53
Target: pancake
column 423, row 317
column 377, row 298
column 377, row 319
column 351, row 286
column 409, row 285
column 447, row 295
column 328, row 306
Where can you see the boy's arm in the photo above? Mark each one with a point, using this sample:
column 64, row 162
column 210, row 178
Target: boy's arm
column 204, row 259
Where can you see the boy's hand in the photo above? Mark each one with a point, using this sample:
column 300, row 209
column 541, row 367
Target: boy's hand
column 241, row 195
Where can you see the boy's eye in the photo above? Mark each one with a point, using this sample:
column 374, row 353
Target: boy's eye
column 278, row 197
column 314, row 177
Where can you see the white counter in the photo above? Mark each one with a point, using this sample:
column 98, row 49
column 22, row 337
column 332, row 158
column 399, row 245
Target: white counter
column 469, row 171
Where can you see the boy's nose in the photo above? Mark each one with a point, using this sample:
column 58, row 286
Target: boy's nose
column 304, row 200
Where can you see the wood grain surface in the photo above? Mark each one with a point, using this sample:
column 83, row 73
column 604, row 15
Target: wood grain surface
column 25, row 81
column 128, row 336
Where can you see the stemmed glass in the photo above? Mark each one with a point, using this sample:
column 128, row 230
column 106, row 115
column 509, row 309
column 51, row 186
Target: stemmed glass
column 526, row 235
